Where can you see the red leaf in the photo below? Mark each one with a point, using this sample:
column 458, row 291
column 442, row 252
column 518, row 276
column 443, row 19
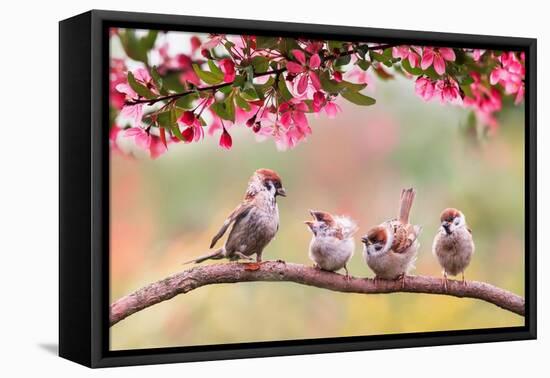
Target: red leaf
column 162, row 135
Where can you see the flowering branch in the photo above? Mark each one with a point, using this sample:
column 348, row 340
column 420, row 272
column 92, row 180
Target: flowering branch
column 278, row 271
column 271, row 84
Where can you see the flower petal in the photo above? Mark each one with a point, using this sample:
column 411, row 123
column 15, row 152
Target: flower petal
column 314, row 61
column 294, row 67
column 302, row 84
column 315, row 80
column 300, row 56
column 447, row 54
column 439, row 64
column 225, row 140
column 427, row 58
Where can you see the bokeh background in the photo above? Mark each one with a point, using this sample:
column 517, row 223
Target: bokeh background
column 165, row 211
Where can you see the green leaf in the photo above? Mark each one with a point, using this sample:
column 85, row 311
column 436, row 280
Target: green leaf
column 358, row 98
column 266, row 42
column 380, row 58
column 225, row 109
column 250, row 94
column 260, row 64
column 415, row 71
column 342, row 61
column 187, row 102
column 148, row 42
column 346, row 85
column 241, row 103
column 208, row 77
column 467, row 80
column 283, row 90
column 137, row 48
column 335, row 45
column 167, row 119
column 363, row 64
column 362, row 50
column 140, row 89
column 157, row 79
column 334, row 87
column 214, row 69
column 239, row 81
column 132, row 46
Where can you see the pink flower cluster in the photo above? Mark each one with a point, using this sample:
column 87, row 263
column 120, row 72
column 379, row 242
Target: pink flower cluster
column 226, row 87
column 446, row 89
column 484, row 101
column 510, row 74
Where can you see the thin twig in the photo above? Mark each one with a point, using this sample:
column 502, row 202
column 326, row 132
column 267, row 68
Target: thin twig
column 222, row 85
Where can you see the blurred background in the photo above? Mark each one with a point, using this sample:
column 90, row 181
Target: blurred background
column 165, row 211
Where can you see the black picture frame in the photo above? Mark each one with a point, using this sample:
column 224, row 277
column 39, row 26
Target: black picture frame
column 84, row 189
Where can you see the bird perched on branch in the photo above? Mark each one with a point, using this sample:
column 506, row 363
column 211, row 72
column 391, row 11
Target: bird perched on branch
column 391, row 247
column 253, row 223
column 453, row 244
column 332, row 243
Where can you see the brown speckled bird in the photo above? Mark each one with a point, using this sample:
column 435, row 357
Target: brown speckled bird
column 254, row 222
column 453, row 244
column 391, row 248
column 332, row 244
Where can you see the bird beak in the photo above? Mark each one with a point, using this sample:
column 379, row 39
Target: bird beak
column 446, row 227
column 309, row 224
column 281, row 192
column 365, row 240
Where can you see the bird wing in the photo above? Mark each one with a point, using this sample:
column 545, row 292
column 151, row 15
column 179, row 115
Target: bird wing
column 239, row 212
column 404, row 236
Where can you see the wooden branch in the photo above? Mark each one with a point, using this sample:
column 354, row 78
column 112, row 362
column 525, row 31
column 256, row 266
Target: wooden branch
column 278, row 271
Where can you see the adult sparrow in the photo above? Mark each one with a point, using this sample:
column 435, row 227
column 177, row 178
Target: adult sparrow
column 332, row 244
column 391, row 247
column 453, row 244
column 253, row 223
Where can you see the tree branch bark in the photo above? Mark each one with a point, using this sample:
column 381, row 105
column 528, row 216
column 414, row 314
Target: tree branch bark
column 278, row 271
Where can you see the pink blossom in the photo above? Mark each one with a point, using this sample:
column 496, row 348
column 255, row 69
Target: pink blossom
column 214, row 41
column 228, row 68
column 510, row 75
column 477, row 54
column 114, row 132
column 117, row 75
column 135, row 111
column 304, row 69
column 185, row 65
column 293, row 113
column 425, row 88
column 313, row 47
column 193, row 131
column 321, row 101
column 406, row 52
column 195, row 44
column 437, row 57
column 484, row 101
column 146, row 141
column 359, row 76
column 448, row 90
column 332, row 109
column 225, row 140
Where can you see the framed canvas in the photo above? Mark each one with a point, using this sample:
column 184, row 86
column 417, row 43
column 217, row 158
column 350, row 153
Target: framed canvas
column 236, row 188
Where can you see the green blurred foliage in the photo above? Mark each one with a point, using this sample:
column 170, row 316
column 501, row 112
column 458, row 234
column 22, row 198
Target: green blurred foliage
column 165, row 211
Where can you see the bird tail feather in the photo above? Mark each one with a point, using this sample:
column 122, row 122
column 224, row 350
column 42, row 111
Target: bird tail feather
column 405, row 205
column 216, row 255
